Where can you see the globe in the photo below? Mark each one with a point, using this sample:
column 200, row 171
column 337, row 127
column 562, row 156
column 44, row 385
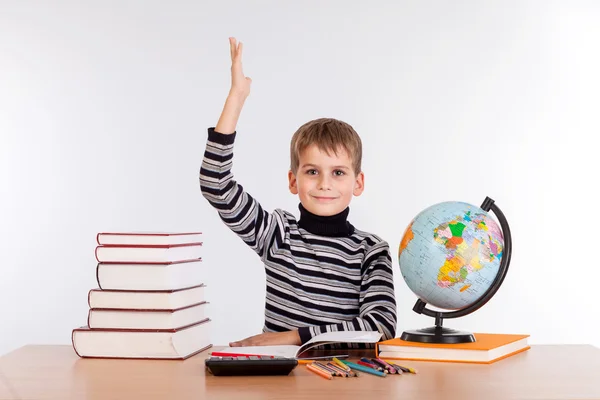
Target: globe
column 454, row 256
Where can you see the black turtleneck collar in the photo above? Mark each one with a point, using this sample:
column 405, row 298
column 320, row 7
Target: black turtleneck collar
column 333, row 225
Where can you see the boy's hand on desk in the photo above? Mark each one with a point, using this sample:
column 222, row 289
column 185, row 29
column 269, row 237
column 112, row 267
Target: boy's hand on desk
column 270, row 339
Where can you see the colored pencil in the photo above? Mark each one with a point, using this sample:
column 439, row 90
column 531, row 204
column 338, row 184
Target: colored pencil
column 319, row 366
column 319, row 371
column 363, row 368
column 371, row 365
column 345, row 367
column 400, row 370
column 343, row 372
column 341, row 364
column 405, row 369
column 332, row 371
column 385, row 365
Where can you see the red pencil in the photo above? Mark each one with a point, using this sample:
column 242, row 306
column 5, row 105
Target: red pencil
column 372, row 366
column 225, row 354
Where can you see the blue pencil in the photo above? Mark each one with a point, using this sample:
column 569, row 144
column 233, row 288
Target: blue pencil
column 362, row 368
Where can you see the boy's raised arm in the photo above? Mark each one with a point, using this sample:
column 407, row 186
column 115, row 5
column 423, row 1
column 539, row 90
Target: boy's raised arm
column 238, row 210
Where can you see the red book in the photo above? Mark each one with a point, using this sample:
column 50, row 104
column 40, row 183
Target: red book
column 150, row 276
column 178, row 343
column 147, row 238
column 146, row 299
column 118, row 318
column 149, row 253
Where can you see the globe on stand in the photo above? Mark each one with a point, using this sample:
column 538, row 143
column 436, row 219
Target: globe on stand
column 453, row 256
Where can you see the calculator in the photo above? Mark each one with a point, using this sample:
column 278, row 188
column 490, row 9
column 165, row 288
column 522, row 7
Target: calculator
column 250, row 365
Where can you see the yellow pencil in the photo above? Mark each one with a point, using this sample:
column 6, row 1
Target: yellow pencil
column 305, row 361
column 345, row 367
column 341, row 364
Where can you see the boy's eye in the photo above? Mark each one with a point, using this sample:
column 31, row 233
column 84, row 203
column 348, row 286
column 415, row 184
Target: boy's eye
column 311, row 172
column 338, row 172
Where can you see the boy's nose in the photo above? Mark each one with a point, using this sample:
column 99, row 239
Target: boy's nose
column 324, row 183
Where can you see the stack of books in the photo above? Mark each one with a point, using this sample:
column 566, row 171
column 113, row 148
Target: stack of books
column 150, row 301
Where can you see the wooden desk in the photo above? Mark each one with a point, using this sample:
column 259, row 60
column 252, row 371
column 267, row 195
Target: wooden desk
column 55, row 372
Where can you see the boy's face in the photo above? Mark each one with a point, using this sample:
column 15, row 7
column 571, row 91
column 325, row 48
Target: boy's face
column 325, row 182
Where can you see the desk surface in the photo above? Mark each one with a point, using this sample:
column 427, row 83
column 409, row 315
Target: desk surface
column 55, row 372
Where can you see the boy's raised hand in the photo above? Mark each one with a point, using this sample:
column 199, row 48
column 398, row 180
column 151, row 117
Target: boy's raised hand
column 240, row 84
column 240, row 89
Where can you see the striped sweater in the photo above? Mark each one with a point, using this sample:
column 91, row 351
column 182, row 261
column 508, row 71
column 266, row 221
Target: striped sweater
column 315, row 283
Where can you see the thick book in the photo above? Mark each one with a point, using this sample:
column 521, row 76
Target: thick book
column 110, row 318
column 487, row 348
column 146, row 299
column 291, row 351
column 150, row 277
column 147, row 238
column 149, row 253
column 170, row 344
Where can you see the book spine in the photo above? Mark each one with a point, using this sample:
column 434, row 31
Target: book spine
column 98, row 275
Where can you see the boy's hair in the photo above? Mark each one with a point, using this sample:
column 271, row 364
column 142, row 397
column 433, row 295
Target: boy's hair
column 329, row 135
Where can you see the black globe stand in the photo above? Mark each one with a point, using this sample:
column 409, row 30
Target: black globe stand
column 437, row 333
column 440, row 334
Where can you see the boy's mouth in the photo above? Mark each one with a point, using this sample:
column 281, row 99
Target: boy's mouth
column 324, row 198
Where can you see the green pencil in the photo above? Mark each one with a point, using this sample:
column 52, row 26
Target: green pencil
column 363, row 368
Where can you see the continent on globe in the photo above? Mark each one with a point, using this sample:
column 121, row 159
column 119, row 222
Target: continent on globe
column 464, row 259
column 408, row 236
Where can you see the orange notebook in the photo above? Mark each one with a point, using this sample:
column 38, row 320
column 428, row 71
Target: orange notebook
column 487, row 348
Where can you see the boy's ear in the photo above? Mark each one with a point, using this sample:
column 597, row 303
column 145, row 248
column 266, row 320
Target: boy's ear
column 359, row 185
column 293, row 184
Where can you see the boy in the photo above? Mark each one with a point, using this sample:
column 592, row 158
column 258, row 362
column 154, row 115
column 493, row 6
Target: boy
column 322, row 273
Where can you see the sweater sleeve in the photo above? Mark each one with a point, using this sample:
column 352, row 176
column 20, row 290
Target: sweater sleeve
column 377, row 309
column 237, row 209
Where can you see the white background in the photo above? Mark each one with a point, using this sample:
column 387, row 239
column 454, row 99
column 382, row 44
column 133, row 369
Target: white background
column 104, row 108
